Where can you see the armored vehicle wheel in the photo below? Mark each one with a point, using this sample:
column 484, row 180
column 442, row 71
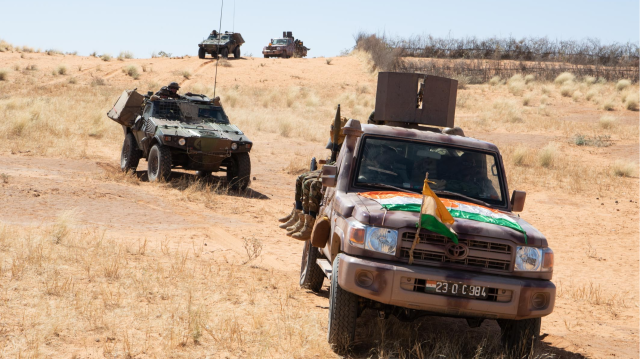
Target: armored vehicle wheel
column 284, row 54
column 225, row 53
column 130, row 155
column 236, row 52
column 201, row 53
column 239, row 171
column 343, row 312
column 311, row 276
column 517, row 336
column 214, row 55
column 266, row 56
column 159, row 163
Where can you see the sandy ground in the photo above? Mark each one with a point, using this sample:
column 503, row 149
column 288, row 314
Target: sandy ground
column 595, row 237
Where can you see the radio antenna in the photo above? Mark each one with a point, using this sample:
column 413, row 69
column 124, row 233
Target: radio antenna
column 215, row 80
column 233, row 28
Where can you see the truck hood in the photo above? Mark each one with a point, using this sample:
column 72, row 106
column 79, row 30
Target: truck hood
column 370, row 212
column 214, row 42
column 207, row 129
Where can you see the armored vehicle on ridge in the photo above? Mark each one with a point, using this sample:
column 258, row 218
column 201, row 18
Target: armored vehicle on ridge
column 490, row 264
column 193, row 133
column 221, row 44
column 285, row 47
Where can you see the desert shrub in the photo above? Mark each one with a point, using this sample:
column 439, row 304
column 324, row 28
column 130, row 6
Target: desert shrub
column 544, row 99
column 132, row 71
column 607, row 122
column 516, row 87
column 622, row 168
column 73, row 80
column 105, row 57
column 328, row 61
column 546, row 90
column 125, row 55
column 567, row 89
column 495, row 80
column 608, row 106
column 186, row 74
column 601, row 80
column 622, row 84
column 564, row 77
column 5, row 46
column 519, row 156
column 591, row 94
column 61, row 70
column 589, row 80
column 508, row 111
column 547, row 155
column 595, row 141
column 4, row 75
column 52, row 52
column 463, row 81
column 72, row 53
column 576, row 96
column 526, row 101
column 529, row 78
column 98, row 81
column 631, row 103
column 383, row 56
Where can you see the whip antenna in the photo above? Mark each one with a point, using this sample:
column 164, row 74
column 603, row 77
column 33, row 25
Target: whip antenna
column 233, row 27
column 215, row 80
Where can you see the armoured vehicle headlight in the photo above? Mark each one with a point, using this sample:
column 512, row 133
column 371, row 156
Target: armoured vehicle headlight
column 234, row 146
column 381, row 240
column 530, row 259
column 182, row 142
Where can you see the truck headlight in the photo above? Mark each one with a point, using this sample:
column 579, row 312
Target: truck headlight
column 182, row 142
column 381, row 240
column 234, row 146
column 530, row 259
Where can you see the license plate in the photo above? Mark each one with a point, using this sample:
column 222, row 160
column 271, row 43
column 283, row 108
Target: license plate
column 455, row 289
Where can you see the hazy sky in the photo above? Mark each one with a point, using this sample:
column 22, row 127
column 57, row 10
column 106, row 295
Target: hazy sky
column 326, row 26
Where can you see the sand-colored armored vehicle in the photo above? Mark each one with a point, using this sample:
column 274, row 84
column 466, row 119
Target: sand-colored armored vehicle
column 193, row 133
column 221, row 44
column 285, row 47
column 365, row 240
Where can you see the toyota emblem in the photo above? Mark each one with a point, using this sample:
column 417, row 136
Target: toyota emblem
column 456, row 251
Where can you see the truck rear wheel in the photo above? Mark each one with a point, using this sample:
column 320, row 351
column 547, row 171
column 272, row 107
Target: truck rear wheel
column 159, row 163
column 236, row 52
column 311, row 276
column 343, row 312
column 517, row 336
column 201, row 53
column 239, row 171
column 130, row 155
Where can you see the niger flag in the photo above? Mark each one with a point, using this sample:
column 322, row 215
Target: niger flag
column 434, row 216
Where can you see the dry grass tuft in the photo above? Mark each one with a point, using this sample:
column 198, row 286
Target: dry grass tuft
column 4, row 75
column 516, row 85
column 495, row 80
column 507, row 110
column 106, row 57
column 520, row 156
column 589, row 80
column 463, row 81
column 622, row 85
column 567, row 89
column 186, row 74
column 132, row 71
column 61, row 70
column 328, row 61
column 547, row 155
column 609, row 105
column 125, row 55
column 607, row 122
column 529, row 78
column 622, row 168
column 564, row 77
column 631, row 103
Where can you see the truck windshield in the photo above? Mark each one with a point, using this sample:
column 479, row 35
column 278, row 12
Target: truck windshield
column 218, row 37
column 280, row 42
column 404, row 164
column 198, row 113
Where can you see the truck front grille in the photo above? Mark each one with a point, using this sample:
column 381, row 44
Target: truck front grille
column 482, row 254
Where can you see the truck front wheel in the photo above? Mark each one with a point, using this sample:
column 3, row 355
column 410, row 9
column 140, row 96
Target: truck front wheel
column 225, row 53
column 236, row 52
column 130, row 155
column 517, row 336
column 239, row 171
column 343, row 312
column 311, row 276
column 159, row 163
column 201, row 53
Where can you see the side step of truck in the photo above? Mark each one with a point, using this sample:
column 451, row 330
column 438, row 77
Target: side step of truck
column 325, row 266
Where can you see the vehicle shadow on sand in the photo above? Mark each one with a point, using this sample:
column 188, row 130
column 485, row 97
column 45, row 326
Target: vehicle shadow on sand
column 436, row 337
column 183, row 181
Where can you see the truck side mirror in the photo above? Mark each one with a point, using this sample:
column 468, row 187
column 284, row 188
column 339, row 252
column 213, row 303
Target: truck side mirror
column 517, row 200
column 329, row 176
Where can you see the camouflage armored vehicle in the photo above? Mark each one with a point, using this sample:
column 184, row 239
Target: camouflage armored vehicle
column 285, row 47
column 221, row 44
column 489, row 265
column 191, row 133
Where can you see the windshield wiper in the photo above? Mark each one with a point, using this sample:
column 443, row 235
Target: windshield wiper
column 391, row 187
column 470, row 199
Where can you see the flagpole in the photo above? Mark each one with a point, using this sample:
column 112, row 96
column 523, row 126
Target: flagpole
column 416, row 239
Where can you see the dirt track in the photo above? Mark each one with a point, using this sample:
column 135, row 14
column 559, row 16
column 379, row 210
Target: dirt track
column 594, row 238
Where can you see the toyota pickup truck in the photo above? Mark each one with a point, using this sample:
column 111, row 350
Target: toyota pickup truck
column 364, row 240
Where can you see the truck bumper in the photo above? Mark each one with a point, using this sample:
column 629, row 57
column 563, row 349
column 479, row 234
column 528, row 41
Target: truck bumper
column 402, row 285
column 271, row 52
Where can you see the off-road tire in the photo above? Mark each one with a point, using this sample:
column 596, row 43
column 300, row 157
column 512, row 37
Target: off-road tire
column 225, row 53
column 343, row 312
column 236, row 52
column 201, row 53
column 130, row 155
column 284, row 54
column 266, row 56
column 239, row 171
column 159, row 163
column 311, row 275
column 517, row 336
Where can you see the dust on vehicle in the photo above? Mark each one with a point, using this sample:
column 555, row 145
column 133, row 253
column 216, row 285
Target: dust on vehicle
column 221, row 44
column 487, row 264
column 285, row 47
column 192, row 132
